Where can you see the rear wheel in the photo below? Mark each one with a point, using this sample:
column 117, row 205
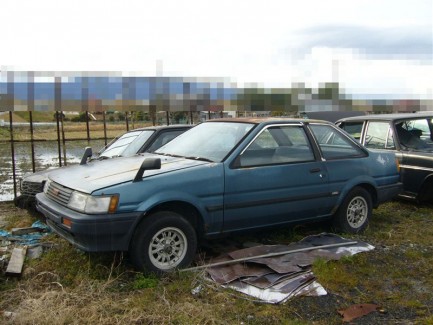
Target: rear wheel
column 163, row 242
column 355, row 211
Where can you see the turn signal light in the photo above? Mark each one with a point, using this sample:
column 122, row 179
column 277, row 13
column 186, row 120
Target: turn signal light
column 113, row 204
column 67, row 222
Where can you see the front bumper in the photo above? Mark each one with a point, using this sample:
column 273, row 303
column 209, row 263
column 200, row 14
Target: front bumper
column 25, row 201
column 388, row 192
column 28, row 191
column 91, row 233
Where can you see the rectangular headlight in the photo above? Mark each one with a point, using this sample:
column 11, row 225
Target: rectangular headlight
column 77, row 201
column 93, row 204
column 97, row 204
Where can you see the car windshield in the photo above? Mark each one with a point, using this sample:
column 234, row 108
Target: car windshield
column 209, row 141
column 416, row 133
column 126, row 145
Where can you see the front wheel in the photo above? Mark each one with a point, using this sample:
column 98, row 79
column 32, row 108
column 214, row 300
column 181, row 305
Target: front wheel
column 163, row 242
column 355, row 211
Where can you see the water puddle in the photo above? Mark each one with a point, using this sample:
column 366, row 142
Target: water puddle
column 46, row 155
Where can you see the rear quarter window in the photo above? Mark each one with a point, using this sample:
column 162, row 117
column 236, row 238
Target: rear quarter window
column 333, row 144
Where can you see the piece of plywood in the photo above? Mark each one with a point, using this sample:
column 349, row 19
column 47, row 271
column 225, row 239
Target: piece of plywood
column 16, row 262
column 24, row 231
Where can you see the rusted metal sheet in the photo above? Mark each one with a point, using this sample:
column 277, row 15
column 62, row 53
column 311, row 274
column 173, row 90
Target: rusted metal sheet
column 268, row 280
column 228, row 273
column 268, row 255
column 356, row 311
column 257, row 250
column 281, row 271
column 279, row 293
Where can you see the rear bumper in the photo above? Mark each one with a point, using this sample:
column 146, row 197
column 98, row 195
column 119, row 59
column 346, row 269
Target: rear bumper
column 388, row 192
column 91, row 233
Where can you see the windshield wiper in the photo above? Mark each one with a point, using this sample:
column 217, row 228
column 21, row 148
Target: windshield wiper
column 199, row 158
column 167, row 154
column 107, row 157
column 179, row 156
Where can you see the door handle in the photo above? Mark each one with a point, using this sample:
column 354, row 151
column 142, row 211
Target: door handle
column 314, row 170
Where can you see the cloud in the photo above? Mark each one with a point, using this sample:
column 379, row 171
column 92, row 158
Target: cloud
column 401, row 43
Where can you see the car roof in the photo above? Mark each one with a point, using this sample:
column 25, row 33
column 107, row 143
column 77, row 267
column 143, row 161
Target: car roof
column 330, row 116
column 163, row 127
column 266, row 120
column 388, row 117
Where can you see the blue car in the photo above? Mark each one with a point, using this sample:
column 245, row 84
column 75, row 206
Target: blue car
column 221, row 176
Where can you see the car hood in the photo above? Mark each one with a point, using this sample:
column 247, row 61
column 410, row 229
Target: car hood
column 100, row 174
column 40, row 176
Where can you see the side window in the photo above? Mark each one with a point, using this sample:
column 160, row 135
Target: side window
column 413, row 134
column 353, row 128
column 334, row 144
column 164, row 138
column 379, row 136
column 278, row 145
column 422, row 128
column 265, row 140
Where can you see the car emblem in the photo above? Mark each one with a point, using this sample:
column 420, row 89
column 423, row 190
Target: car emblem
column 56, row 192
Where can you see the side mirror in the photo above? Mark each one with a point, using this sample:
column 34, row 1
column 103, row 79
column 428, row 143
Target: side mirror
column 87, row 154
column 147, row 164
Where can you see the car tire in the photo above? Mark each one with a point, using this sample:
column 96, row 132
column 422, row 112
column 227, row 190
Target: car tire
column 354, row 213
column 163, row 242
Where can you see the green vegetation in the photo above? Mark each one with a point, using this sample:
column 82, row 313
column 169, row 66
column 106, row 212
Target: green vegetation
column 69, row 286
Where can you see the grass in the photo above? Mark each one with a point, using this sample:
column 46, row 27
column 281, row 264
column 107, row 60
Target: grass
column 68, row 286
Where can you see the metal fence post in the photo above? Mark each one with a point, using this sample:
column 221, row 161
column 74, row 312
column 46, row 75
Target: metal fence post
column 58, row 138
column 13, row 153
column 105, row 127
column 32, row 143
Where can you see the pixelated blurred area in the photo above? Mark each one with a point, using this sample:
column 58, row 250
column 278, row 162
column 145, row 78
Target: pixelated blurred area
column 111, row 91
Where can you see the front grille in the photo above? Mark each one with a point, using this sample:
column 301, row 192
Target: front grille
column 59, row 193
column 31, row 188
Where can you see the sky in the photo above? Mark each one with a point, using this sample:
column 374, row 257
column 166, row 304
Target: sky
column 371, row 47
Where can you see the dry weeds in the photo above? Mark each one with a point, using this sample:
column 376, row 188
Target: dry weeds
column 67, row 286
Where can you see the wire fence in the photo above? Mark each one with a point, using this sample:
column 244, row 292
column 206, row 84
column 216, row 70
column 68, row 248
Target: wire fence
column 31, row 141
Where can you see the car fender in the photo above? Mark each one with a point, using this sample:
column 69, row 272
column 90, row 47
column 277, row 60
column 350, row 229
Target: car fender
column 363, row 181
column 154, row 201
column 209, row 208
column 426, row 187
column 173, row 196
